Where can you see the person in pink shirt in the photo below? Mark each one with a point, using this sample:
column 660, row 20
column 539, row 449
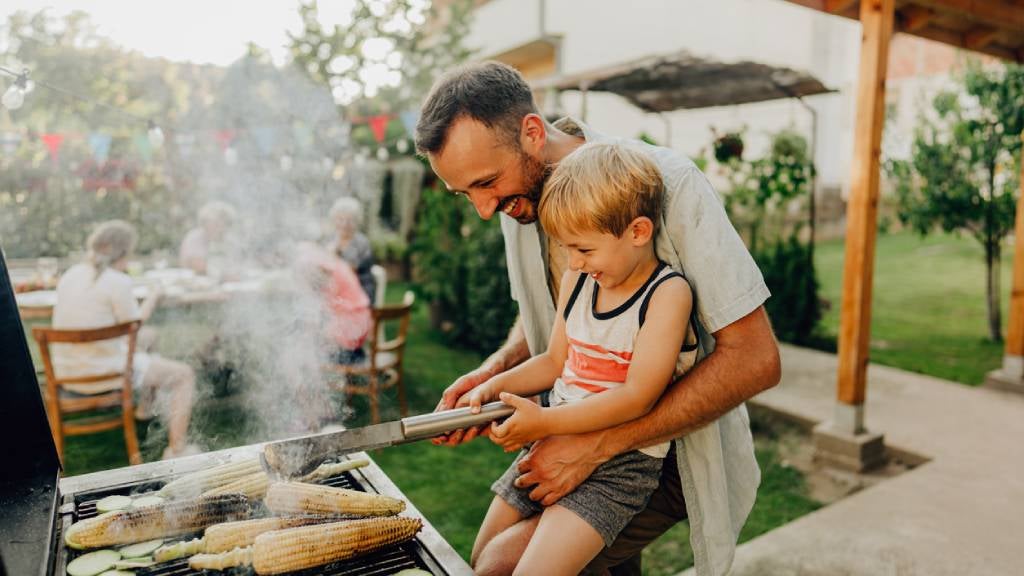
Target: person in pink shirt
column 348, row 320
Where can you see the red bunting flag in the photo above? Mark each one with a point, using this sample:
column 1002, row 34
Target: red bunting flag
column 53, row 142
column 379, row 126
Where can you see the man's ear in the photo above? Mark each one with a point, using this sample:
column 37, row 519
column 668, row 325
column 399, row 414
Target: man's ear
column 532, row 134
column 641, row 230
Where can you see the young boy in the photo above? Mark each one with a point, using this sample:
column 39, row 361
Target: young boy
column 622, row 333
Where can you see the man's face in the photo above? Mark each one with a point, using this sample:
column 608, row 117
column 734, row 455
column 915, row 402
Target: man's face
column 492, row 173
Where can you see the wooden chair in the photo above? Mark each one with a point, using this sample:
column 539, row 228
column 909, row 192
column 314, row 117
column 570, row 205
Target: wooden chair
column 61, row 402
column 383, row 367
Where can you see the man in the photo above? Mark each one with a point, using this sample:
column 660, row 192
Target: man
column 485, row 139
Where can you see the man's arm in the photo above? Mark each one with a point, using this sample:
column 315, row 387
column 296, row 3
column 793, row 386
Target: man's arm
column 513, row 352
column 744, row 363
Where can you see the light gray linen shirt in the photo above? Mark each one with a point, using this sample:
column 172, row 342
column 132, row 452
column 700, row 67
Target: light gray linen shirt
column 718, row 472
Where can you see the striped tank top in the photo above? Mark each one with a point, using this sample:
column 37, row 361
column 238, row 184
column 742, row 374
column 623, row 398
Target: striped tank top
column 601, row 344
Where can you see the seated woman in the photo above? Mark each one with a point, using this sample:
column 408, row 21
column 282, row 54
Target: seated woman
column 199, row 249
column 98, row 293
column 350, row 244
column 348, row 321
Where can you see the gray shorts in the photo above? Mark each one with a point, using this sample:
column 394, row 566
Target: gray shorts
column 607, row 500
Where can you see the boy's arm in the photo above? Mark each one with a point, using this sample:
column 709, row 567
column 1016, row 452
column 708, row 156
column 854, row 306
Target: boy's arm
column 651, row 370
column 536, row 374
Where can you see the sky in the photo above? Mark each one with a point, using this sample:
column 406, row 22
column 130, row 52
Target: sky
column 200, row 31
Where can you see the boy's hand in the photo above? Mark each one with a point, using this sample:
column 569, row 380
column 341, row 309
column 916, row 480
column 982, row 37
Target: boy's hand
column 527, row 424
column 477, row 397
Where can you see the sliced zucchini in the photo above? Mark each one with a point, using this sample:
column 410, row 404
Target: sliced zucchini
column 412, row 572
column 118, row 573
column 146, row 501
column 140, row 549
column 93, row 563
column 130, row 563
column 113, row 503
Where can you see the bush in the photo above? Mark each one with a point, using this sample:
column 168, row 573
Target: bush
column 794, row 307
column 459, row 263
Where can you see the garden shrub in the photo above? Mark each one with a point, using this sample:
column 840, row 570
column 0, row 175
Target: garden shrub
column 794, row 307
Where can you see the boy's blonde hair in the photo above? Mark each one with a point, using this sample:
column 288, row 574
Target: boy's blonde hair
column 601, row 187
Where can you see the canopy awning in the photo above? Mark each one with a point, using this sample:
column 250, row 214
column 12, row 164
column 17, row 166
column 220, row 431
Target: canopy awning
column 994, row 27
column 682, row 80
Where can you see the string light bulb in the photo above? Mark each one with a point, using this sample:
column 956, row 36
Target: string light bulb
column 156, row 134
column 14, row 97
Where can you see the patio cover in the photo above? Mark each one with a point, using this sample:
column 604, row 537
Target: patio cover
column 682, row 80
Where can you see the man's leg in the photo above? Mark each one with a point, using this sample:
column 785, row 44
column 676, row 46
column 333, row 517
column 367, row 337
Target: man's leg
column 563, row 543
column 665, row 509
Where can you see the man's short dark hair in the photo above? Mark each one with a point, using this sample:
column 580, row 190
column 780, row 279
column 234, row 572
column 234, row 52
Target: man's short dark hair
column 489, row 92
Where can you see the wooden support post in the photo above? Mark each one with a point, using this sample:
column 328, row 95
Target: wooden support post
column 844, row 441
column 1011, row 376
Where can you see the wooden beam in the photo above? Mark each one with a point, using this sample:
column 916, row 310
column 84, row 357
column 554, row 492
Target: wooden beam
column 1015, row 330
column 955, row 39
column 877, row 19
column 980, row 37
column 838, row 6
column 994, row 13
column 812, row 4
column 913, row 18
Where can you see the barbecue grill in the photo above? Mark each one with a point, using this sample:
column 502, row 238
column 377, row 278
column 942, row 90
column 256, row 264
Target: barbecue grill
column 36, row 507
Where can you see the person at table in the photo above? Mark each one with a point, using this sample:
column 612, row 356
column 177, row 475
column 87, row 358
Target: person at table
column 350, row 244
column 203, row 249
column 98, row 293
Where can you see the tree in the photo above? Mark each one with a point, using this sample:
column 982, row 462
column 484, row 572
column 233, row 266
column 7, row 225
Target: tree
column 962, row 175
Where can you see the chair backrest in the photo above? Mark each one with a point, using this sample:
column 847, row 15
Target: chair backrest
column 380, row 280
column 401, row 313
column 47, row 336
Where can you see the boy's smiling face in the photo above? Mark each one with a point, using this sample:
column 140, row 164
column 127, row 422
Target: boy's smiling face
column 610, row 260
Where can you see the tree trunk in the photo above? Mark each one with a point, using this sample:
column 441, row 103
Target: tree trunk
column 992, row 258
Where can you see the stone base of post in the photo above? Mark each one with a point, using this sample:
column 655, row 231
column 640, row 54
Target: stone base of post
column 844, row 443
column 1009, row 377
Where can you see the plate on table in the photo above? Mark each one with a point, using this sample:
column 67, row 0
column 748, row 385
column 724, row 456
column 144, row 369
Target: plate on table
column 37, row 299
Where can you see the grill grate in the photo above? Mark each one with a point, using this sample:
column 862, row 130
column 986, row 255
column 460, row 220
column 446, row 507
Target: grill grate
column 381, row 563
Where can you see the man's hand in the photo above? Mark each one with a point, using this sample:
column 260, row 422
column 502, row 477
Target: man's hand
column 525, row 425
column 450, row 399
column 556, row 465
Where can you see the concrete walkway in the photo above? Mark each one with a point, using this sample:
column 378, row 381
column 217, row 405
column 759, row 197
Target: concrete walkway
column 960, row 513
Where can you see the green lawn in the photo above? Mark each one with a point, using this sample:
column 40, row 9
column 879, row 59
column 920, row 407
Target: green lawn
column 449, row 485
column 928, row 313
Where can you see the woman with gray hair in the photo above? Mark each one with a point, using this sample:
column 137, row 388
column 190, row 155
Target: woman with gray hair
column 215, row 218
column 350, row 244
column 98, row 293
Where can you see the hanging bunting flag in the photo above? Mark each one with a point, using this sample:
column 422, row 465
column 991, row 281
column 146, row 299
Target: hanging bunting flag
column 224, row 138
column 53, row 142
column 100, row 145
column 143, row 146
column 409, row 119
column 379, row 126
column 265, row 137
column 9, row 142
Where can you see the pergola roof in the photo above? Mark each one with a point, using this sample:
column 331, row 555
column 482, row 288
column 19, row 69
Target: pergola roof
column 995, row 27
column 682, row 80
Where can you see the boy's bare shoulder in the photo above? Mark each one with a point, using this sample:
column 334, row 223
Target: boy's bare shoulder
column 675, row 289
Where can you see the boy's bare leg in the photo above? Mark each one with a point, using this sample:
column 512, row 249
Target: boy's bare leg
column 500, row 518
column 563, row 543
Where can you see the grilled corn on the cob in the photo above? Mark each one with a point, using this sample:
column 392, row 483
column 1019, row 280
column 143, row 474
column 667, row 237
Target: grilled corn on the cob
column 195, row 483
column 329, row 469
column 297, row 548
column 222, row 560
column 302, row 498
column 253, row 486
column 231, row 535
column 158, row 521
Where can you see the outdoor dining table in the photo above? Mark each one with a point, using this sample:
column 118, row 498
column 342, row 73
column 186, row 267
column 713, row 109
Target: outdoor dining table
column 181, row 287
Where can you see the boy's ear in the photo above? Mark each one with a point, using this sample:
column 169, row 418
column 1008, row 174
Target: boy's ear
column 641, row 230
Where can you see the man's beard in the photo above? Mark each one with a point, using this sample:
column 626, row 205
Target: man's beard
column 535, row 174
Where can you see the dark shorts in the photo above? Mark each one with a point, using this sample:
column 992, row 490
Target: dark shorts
column 664, row 510
column 607, row 500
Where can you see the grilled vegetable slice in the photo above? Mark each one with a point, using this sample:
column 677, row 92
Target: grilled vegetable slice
column 140, row 549
column 412, row 572
column 195, row 483
column 132, row 563
column 118, row 573
column 221, row 561
column 179, row 550
column 302, row 498
column 159, row 521
column 111, row 503
column 297, row 548
column 329, row 469
column 93, row 563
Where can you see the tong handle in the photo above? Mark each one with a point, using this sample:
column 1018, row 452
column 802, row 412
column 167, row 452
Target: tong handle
column 436, row 423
